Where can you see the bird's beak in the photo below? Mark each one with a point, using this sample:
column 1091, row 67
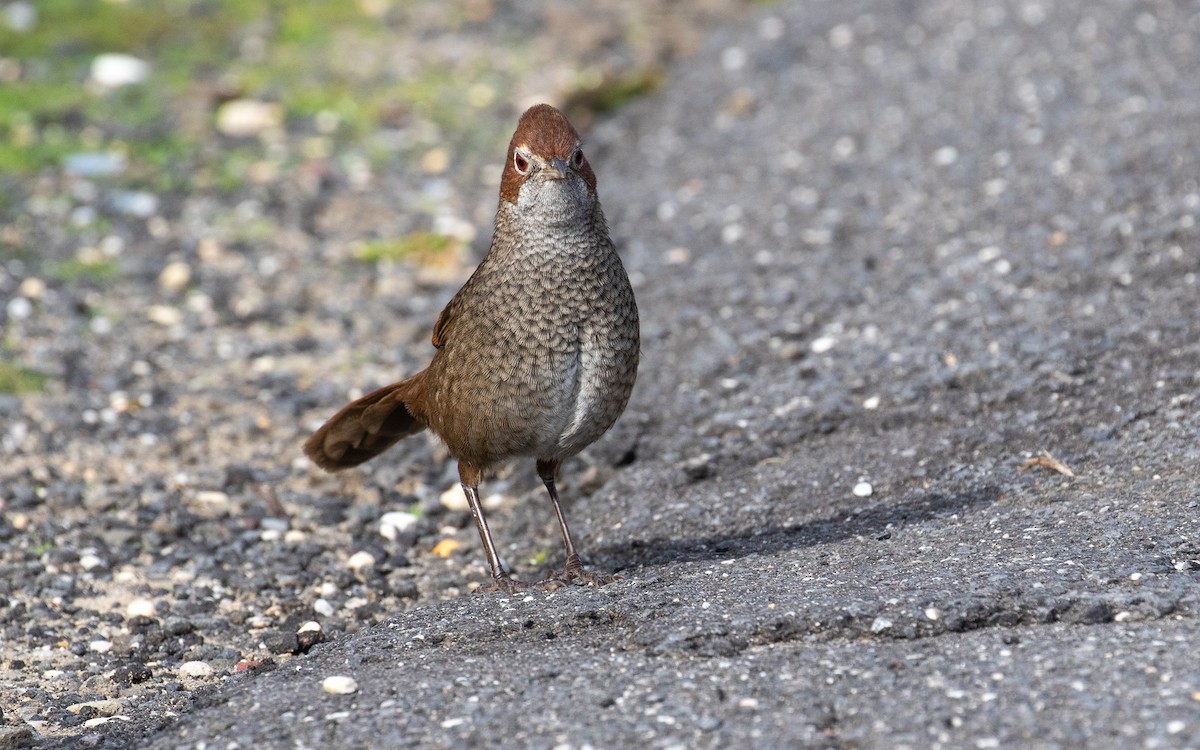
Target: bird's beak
column 560, row 166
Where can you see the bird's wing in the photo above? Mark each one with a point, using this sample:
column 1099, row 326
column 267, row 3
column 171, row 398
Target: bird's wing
column 442, row 327
column 449, row 314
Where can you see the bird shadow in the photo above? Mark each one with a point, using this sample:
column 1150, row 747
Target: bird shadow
column 878, row 521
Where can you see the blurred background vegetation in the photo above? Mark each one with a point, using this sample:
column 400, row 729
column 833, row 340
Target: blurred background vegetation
column 153, row 81
column 144, row 141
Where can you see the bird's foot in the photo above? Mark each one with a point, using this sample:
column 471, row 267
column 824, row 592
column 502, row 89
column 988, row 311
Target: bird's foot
column 503, row 584
column 575, row 574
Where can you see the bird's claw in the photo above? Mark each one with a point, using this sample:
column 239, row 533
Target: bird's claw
column 505, row 585
column 575, row 574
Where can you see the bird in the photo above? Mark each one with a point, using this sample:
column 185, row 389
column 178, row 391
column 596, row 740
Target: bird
column 535, row 356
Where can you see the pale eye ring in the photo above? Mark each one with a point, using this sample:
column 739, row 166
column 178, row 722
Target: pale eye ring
column 520, row 162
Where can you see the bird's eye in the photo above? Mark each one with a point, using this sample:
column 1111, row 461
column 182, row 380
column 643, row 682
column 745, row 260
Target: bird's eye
column 520, row 162
column 577, row 159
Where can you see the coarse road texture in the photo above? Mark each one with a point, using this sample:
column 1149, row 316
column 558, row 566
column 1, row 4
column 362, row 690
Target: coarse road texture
column 903, row 245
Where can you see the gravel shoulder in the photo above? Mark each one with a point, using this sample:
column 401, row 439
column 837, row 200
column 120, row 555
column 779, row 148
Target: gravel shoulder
column 887, row 257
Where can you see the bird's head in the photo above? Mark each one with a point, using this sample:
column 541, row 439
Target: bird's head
column 546, row 167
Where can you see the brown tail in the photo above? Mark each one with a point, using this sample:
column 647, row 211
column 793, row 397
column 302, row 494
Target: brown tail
column 367, row 427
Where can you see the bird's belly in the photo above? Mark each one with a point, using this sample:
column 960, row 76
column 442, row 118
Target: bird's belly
column 593, row 398
column 549, row 403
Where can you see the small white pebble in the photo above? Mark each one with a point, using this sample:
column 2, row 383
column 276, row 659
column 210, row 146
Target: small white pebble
column 111, row 246
column 945, row 156
column 137, row 203
column 733, row 58
column 312, row 626
column 988, row 254
column 933, row 613
column 361, row 559
column 21, row 17
column 140, row 607
column 101, row 647
column 822, row 344
column 83, row 216
column 678, row 255
column 770, row 28
column 32, row 287
column 175, row 276
column 339, row 684
column 871, row 403
column 164, row 315
column 209, row 503
column 113, row 70
column 274, row 524
column 748, row 703
column 863, row 489
column 880, row 624
column 454, row 499
column 841, row 36
column 1175, row 727
column 118, row 401
column 845, row 147
column 19, row 308
column 264, row 365
column 103, row 707
column 195, row 669
column 242, row 118
column 395, row 523
column 91, row 561
column 323, row 607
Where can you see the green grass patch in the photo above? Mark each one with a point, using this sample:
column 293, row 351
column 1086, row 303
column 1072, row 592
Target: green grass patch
column 613, row 93
column 48, row 112
column 418, row 246
column 72, row 28
column 76, row 269
column 17, row 379
column 40, row 548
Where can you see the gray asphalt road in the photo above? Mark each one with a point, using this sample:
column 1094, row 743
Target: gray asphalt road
column 886, row 253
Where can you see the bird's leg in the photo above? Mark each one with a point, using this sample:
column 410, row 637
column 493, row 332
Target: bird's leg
column 470, row 477
column 574, row 570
